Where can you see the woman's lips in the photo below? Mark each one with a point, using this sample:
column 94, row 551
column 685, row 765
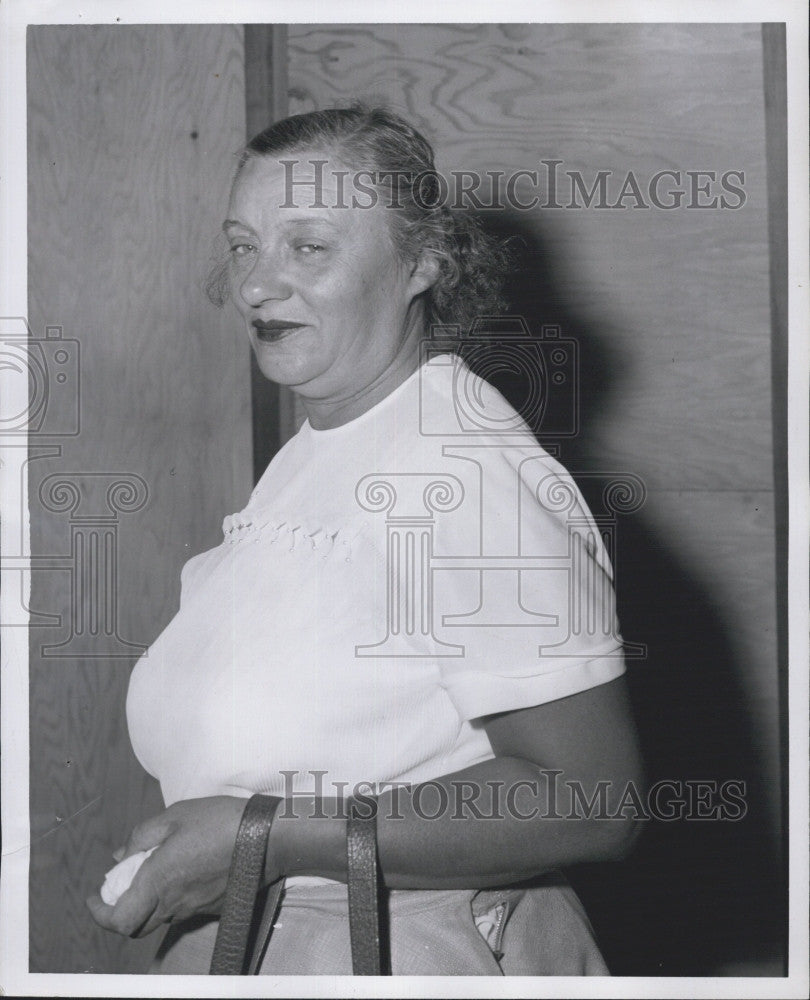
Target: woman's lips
column 274, row 329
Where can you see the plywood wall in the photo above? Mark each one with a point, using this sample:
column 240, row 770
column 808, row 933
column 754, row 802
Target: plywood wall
column 131, row 136
column 671, row 310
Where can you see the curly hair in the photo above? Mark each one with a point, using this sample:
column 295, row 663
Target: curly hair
column 472, row 263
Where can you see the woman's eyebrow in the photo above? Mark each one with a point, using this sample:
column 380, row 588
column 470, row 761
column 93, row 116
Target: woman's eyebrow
column 295, row 220
column 309, row 220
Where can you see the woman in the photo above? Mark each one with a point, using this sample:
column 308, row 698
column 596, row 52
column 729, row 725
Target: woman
column 338, row 640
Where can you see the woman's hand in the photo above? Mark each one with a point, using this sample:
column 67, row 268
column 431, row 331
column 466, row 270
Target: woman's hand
column 187, row 873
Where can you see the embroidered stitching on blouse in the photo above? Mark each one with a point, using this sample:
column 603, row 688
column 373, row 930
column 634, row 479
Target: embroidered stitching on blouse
column 244, row 525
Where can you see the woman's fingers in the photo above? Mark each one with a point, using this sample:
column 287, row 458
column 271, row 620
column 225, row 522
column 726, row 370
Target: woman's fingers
column 130, row 918
column 146, row 835
column 188, row 873
column 100, row 911
column 155, row 919
column 135, row 908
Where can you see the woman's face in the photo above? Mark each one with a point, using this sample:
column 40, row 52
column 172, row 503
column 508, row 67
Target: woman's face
column 327, row 302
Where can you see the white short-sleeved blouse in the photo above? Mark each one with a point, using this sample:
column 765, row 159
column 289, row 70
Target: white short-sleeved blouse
column 390, row 581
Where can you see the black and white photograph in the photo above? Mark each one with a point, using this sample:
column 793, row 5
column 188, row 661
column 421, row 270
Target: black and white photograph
column 403, row 440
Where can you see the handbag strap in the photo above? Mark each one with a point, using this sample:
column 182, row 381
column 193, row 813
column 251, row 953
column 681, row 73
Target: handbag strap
column 244, row 881
column 364, row 911
column 272, row 901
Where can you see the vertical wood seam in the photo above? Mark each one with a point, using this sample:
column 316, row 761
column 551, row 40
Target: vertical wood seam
column 266, row 101
column 775, row 98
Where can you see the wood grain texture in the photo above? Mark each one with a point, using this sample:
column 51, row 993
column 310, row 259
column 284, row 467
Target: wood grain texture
column 680, row 297
column 265, row 102
column 276, row 416
column 677, row 302
column 729, row 536
column 671, row 312
column 775, row 75
column 131, row 136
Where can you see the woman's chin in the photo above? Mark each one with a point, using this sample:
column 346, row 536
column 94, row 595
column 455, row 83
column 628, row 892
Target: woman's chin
column 285, row 367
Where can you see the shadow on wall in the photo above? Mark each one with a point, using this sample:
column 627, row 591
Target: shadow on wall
column 696, row 897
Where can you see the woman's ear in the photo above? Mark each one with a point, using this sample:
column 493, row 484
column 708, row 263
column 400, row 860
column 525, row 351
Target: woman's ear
column 424, row 272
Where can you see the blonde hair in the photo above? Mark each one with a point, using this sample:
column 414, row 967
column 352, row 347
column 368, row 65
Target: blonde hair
column 472, row 263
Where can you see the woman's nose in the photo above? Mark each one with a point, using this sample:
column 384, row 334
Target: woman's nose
column 264, row 281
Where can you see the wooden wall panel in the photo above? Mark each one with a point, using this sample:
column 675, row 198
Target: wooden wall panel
column 131, row 136
column 671, row 311
column 266, row 102
column 726, row 538
column 673, row 291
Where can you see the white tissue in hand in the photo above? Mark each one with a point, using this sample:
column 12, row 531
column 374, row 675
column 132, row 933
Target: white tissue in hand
column 119, row 879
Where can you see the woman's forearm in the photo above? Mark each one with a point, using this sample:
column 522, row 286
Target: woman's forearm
column 496, row 822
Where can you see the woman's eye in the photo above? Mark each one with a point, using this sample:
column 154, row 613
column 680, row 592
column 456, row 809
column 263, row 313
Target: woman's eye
column 309, row 248
column 240, row 249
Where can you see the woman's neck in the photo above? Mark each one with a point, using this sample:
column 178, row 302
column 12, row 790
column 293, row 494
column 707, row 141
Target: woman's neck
column 327, row 414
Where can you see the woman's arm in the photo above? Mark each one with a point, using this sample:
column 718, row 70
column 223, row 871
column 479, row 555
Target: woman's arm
column 496, row 822
column 499, row 821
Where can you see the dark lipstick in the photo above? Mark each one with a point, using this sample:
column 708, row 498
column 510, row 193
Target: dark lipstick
column 274, row 329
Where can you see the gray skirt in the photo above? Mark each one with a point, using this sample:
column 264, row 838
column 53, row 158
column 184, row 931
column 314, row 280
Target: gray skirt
column 540, row 931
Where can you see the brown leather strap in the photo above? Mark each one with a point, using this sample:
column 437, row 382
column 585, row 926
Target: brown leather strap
column 244, row 881
column 272, row 901
column 364, row 912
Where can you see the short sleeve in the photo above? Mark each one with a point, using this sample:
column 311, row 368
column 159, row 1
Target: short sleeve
column 524, row 605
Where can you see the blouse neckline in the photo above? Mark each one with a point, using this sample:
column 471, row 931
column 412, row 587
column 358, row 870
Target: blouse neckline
column 368, row 414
